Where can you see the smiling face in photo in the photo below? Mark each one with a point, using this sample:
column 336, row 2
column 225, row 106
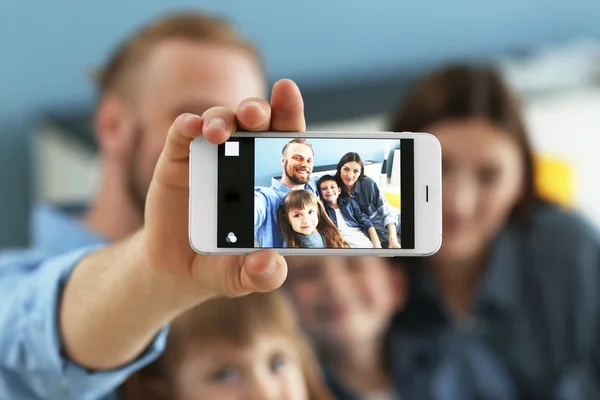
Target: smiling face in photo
column 350, row 173
column 304, row 221
column 298, row 163
column 330, row 191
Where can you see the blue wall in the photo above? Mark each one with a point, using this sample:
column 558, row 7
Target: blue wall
column 48, row 47
column 327, row 152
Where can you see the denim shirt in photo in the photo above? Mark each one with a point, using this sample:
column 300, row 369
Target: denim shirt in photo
column 374, row 204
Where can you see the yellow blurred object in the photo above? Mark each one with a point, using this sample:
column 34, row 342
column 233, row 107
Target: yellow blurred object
column 393, row 197
column 553, row 180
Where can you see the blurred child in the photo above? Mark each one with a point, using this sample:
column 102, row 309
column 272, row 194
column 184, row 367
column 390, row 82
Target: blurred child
column 304, row 222
column 355, row 226
column 242, row 348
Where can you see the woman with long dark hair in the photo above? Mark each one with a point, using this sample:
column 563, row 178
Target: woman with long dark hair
column 351, row 177
column 514, row 271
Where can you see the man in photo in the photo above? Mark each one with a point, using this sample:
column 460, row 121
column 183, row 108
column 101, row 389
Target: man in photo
column 297, row 160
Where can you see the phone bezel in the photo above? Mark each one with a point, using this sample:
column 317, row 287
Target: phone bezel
column 427, row 178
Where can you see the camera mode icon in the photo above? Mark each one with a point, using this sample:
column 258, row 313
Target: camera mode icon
column 231, row 238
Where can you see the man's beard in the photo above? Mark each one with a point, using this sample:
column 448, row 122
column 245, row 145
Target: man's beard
column 298, row 180
column 136, row 188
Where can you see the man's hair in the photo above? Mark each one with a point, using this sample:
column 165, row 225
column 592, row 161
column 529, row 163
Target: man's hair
column 192, row 26
column 299, row 141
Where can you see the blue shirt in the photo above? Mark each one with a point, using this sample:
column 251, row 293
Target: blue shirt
column 266, row 202
column 314, row 241
column 538, row 306
column 351, row 212
column 32, row 364
column 438, row 365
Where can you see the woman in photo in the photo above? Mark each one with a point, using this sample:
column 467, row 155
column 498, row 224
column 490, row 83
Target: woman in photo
column 355, row 184
column 515, row 271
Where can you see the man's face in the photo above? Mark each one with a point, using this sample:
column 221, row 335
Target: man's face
column 182, row 76
column 298, row 163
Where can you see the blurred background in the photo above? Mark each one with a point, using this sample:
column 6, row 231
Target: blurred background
column 353, row 60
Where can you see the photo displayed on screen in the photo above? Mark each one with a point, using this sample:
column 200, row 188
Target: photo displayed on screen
column 327, row 193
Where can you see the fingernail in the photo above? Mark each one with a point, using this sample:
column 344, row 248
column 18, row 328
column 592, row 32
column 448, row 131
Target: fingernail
column 193, row 116
column 253, row 103
column 218, row 123
column 280, row 260
column 276, row 262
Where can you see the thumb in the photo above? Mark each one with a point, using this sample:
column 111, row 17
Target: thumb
column 263, row 271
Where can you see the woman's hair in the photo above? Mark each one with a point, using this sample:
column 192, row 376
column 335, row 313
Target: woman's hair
column 346, row 158
column 239, row 320
column 465, row 92
column 299, row 200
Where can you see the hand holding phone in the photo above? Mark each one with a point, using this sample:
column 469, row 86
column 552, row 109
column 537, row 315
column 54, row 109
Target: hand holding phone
column 165, row 233
column 317, row 193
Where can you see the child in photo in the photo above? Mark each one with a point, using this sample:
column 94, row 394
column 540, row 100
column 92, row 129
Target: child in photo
column 304, row 222
column 355, row 226
column 234, row 349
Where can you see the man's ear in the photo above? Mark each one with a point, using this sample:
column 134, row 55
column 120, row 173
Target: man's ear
column 113, row 129
column 282, row 161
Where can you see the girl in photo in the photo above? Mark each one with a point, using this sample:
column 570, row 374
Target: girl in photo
column 355, row 226
column 304, row 222
column 233, row 348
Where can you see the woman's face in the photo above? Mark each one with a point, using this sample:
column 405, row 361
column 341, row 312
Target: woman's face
column 268, row 368
column 345, row 301
column 482, row 182
column 350, row 173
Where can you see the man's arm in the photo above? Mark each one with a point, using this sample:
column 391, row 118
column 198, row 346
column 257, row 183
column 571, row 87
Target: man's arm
column 33, row 363
column 113, row 305
column 117, row 299
column 260, row 209
column 102, row 308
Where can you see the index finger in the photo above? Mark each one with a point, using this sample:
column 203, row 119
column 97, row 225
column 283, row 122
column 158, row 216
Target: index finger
column 181, row 133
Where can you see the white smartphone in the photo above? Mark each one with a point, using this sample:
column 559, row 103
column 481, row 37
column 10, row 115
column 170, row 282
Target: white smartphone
column 317, row 193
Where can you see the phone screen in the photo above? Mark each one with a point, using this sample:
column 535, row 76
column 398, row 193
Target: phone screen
column 315, row 193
